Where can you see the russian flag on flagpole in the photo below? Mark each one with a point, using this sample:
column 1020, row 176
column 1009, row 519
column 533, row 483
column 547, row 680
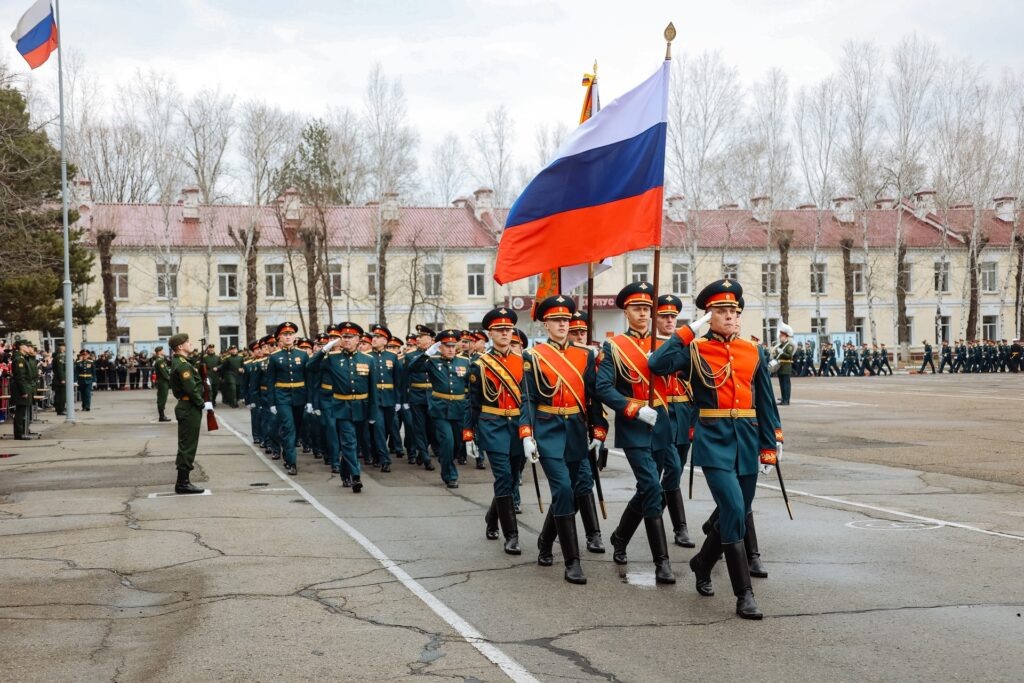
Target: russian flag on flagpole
column 600, row 196
column 36, row 34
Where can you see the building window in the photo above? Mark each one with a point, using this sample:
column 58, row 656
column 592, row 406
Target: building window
column 944, row 326
column 334, row 275
column 275, row 280
column 858, row 327
column 432, row 279
column 120, row 272
column 988, row 277
column 990, row 327
column 941, row 277
column 769, row 278
column 371, row 278
column 730, row 271
column 819, row 326
column 228, row 336
column 165, row 331
column 770, row 330
column 475, row 279
column 166, row 281
column 638, row 272
column 124, row 335
column 858, row 278
column 819, row 278
column 681, row 278
column 227, row 280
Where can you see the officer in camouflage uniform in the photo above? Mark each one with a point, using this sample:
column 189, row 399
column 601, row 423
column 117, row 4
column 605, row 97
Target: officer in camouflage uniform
column 187, row 387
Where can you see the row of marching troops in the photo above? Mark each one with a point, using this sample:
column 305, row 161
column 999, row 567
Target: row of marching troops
column 867, row 361
column 343, row 395
column 975, row 356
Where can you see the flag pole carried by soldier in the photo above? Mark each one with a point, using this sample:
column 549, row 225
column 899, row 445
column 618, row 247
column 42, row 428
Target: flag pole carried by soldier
column 188, row 389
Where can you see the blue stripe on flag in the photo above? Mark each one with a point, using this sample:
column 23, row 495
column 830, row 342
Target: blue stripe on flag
column 38, row 35
column 596, row 176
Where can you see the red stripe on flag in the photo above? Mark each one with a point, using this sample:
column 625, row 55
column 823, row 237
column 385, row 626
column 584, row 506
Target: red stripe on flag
column 38, row 56
column 580, row 236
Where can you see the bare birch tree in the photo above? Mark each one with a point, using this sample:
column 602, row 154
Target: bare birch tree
column 493, row 146
column 207, row 122
column 448, row 170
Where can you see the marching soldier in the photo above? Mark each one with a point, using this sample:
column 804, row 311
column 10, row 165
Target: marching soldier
column 645, row 433
column 252, row 370
column 285, row 377
column 417, row 391
column 388, row 376
column 945, row 357
column 264, row 399
column 188, row 389
column 865, row 361
column 927, row 358
column 560, row 405
column 85, row 374
column 735, row 427
column 449, row 399
column 231, row 374
column 1015, row 356
column 883, row 361
column 212, row 362
column 782, row 357
column 495, row 391
column 163, row 379
column 323, row 401
column 678, row 397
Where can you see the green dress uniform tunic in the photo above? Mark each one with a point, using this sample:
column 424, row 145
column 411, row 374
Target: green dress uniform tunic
column 388, row 373
column 187, row 387
column 448, row 406
column 286, row 384
column 84, row 374
column 232, row 373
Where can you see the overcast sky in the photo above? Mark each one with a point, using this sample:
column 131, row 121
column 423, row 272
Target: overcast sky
column 458, row 59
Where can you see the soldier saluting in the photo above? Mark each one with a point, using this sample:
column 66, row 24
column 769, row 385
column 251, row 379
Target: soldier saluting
column 736, row 415
column 188, row 389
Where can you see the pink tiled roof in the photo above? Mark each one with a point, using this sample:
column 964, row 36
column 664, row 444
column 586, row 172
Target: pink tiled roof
column 143, row 225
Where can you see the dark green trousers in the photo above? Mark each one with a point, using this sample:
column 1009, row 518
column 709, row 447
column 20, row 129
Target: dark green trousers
column 59, row 394
column 229, row 392
column 20, row 421
column 161, row 397
column 189, row 419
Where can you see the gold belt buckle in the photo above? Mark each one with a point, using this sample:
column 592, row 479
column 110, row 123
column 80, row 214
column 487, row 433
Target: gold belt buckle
column 734, row 412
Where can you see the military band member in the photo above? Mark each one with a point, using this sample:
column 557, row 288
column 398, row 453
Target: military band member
column 388, row 376
column 85, row 375
column 163, row 382
column 644, row 431
column 416, row 403
column 519, row 341
column 782, row 357
column 736, row 419
column 495, row 391
column 678, row 397
column 187, row 387
column 286, row 384
column 560, row 405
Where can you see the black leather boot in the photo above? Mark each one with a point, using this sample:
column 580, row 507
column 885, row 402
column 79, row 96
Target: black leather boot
column 183, row 485
column 566, row 525
column 739, row 575
column 753, row 555
column 623, row 533
column 491, row 518
column 677, row 513
column 357, row 484
column 704, row 561
column 591, row 527
column 659, row 550
column 507, row 516
column 706, row 526
column 545, row 541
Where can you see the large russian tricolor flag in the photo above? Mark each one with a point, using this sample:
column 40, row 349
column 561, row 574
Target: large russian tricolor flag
column 600, row 196
column 36, row 34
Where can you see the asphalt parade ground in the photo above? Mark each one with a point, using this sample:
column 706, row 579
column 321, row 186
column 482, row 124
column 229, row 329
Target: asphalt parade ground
column 904, row 561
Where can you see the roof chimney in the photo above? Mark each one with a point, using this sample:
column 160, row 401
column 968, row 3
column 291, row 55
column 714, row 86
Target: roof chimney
column 190, row 207
column 885, row 203
column 728, row 207
column 460, row 202
column 81, row 194
column 676, row 208
column 292, row 205
column 761, row 207
column 389, row 207
column 483, row 202
column 807, row 206
column 924, row 203
column 842, row 207
column 1006, row 208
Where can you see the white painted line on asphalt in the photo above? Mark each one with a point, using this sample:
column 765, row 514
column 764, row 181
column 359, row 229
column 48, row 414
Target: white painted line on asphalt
column 889, row 511
column 509, row 666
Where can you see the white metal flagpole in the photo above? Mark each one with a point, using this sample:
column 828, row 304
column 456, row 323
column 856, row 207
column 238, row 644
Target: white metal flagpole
column 69, row 346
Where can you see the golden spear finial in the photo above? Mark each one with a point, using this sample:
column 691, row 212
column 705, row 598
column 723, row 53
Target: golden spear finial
column 670, row 35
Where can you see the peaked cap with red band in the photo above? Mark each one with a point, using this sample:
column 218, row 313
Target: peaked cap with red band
column 641, row 292
column 669, row 304
column 720, row 293
column 555, row 307
column 501, row 317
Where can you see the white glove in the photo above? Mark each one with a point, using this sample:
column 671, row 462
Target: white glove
column 699, row 323
column 595, row 445
column 398, row 407
column 405, row 406
column 317, row 412
column 767, row 469
column 647, row 415
column 434, row 349
column 530, row 449
column 471, row 450
column 309, row 408
column 207, row 406
column 331, row 344
column 273, row 410
column 250, row 406
column 373, row 422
